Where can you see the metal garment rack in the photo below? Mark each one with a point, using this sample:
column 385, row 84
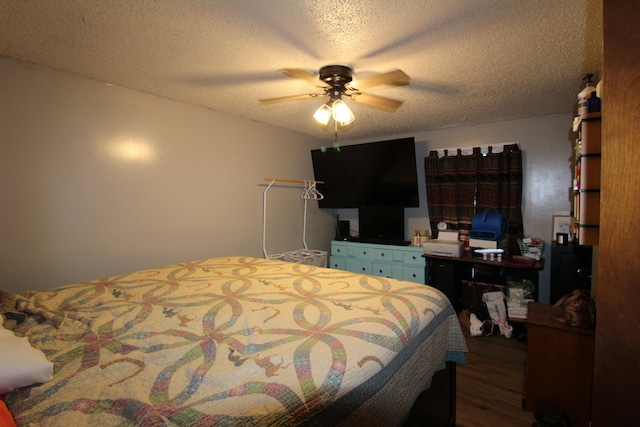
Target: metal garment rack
column 310, row 193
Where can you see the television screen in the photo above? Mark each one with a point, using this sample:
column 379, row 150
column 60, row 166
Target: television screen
column 373, row 174
column 382, row 224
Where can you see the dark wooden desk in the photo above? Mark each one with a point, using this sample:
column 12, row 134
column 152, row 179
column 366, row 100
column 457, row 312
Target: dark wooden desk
column 448, row 274
column 468, row 258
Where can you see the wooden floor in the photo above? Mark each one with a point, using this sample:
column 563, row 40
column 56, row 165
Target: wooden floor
column 489, row 385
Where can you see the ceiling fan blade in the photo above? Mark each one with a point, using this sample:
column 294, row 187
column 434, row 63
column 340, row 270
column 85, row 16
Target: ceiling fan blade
column 289, row 97
column 392, row 78
column 299, row 73
column 379, row 102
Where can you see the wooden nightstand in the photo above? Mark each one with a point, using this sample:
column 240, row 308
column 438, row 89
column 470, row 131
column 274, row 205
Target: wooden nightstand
column 559, row 368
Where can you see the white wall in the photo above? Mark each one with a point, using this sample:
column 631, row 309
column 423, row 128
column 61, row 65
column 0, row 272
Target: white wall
column 546, row 145
column 97, row 180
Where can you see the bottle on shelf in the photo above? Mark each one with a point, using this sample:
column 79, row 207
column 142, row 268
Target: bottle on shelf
column 593, row 103
column 584, row 95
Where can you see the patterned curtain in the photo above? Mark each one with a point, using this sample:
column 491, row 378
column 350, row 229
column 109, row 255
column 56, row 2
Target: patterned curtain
column 459, row 186
column 451, row 188
column 500, row 185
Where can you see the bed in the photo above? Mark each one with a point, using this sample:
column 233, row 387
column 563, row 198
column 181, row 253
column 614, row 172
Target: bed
column 236, row 341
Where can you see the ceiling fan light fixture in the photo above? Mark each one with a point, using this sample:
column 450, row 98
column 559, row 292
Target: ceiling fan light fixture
column 336, row 83
column 341, row 113
column 323, row 114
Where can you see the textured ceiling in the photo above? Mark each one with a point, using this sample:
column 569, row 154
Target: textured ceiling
column 470, row 61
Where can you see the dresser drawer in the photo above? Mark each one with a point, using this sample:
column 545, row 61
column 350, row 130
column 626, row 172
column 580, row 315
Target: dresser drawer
column 398, row 262
column 339, row 249
column 337, row 263
column 358, row 266
column 372, row 253
column 382, row 269
column 413, row 274
column 414, row 258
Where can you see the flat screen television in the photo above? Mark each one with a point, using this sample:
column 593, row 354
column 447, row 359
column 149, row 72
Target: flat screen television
column 365, row 175
column 381, row 224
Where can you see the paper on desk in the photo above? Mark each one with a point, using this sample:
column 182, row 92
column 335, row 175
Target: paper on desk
column 449, row 236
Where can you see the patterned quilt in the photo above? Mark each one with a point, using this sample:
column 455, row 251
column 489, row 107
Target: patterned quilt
column 228, row 341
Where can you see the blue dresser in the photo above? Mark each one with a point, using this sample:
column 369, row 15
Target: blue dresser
column 398, row 262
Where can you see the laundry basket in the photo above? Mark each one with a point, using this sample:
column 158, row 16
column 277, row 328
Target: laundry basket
column 531, row 250
column 300, row 256
column 303, row 256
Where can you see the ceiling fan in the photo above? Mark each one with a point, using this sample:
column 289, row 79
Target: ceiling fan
column 335, row 81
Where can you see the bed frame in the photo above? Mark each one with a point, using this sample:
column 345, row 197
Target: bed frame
column 436, row 406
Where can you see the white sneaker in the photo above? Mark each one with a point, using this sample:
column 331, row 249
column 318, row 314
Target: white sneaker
column 476, row 326
column 505, row 328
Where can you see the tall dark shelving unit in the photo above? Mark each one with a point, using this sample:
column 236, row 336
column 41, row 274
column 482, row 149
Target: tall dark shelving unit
column 571, row 268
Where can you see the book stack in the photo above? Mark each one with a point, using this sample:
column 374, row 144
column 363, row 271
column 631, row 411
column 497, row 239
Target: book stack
column 517, row 308
column 518, row 300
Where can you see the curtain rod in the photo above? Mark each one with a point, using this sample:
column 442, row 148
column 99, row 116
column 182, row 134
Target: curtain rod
column 484, row 149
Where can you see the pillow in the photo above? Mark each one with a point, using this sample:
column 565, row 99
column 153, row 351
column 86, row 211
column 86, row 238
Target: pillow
column 20, row 364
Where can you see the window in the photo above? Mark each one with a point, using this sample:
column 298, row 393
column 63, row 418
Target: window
column 460, row 186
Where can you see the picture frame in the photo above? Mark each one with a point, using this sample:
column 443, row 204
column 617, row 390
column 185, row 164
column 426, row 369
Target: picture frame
column 561, row 224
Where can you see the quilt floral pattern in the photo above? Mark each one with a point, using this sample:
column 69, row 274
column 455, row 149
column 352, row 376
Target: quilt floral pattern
column 221, row 341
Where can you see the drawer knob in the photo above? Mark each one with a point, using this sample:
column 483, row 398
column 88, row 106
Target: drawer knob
column 382, row 253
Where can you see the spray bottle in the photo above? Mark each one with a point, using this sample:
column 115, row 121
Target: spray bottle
column 584, row 95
